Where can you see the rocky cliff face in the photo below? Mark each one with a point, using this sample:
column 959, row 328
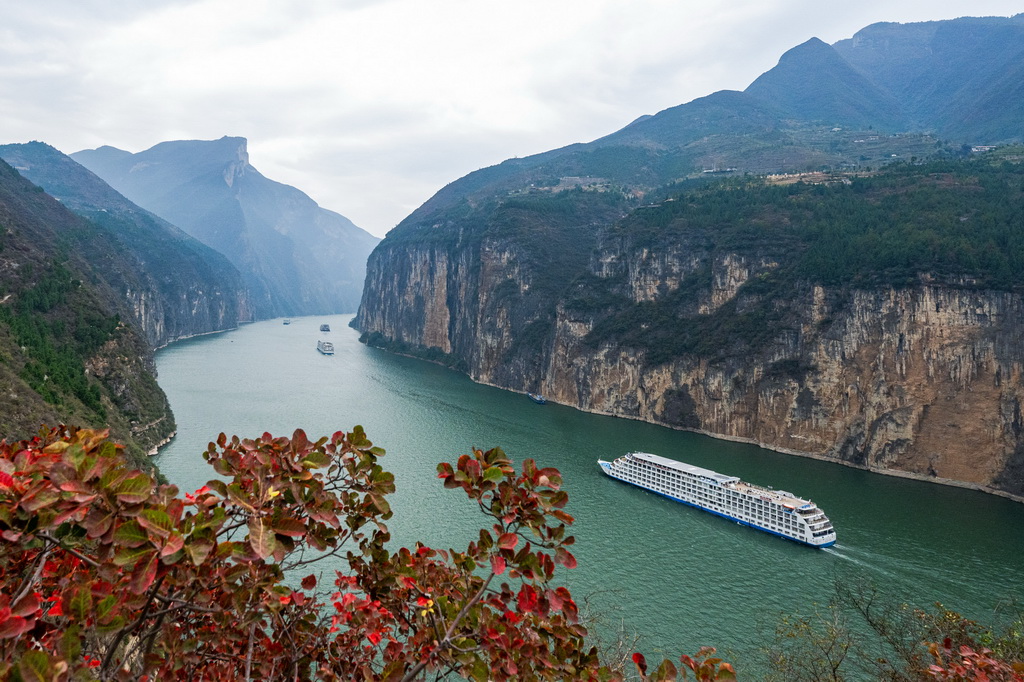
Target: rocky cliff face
column 871, row 320
column 920, row 379
column 295, row 257
column 923, row 380
column 71, row 349
column 170, row 284
column 193, row 311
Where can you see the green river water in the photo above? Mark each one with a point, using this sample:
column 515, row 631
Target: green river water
column 680, row 577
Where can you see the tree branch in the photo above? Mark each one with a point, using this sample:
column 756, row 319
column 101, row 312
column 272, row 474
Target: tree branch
column 46, row 536
column 40, row 562
column 446, row 640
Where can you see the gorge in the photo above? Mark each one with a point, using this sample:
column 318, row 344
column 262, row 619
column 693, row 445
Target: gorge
column 835, row 311
column 919, row 378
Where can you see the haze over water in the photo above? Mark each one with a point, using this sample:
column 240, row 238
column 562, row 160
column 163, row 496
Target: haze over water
column 680, row 577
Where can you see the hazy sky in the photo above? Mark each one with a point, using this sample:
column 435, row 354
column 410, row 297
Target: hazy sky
column 370, row 106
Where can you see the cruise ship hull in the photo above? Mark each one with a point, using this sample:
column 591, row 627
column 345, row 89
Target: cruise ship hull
column 775, row 512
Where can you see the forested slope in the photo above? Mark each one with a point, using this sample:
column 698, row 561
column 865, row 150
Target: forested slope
column 69, row 350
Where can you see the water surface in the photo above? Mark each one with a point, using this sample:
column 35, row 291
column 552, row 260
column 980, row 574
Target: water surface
column 680, row 577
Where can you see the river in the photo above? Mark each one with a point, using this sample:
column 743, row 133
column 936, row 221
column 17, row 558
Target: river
column 679, row 577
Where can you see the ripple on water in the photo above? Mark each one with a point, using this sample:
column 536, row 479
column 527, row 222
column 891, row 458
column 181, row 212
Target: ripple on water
column 680, row 576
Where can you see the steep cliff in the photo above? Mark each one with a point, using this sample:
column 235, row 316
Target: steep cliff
column 171, row 285
column 70, row 350
column 296, row 258
column 875, row 321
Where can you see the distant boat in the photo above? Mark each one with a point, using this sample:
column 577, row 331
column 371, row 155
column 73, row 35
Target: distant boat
column 287, row 321
column 325, row 347
column 325, row 327
column 537, row 398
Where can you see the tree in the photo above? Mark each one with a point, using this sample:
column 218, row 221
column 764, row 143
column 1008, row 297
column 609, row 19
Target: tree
column 108, row 575
column 865, row 634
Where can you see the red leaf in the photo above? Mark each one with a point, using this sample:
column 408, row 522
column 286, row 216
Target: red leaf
column 497, row 564
column 508, row 541
column 527, row 599
column 26, row 606
column 143, row 575
column 291, row 527
column 73, row 486
column 174, row 544
column 199, row 550
column 641, row 663
column 309, row 582
column 14, row 626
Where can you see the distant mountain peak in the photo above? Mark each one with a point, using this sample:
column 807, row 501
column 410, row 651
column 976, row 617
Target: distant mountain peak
column 813, row 81
column 241, row 147
column 296, row 257
column 810, row 55
column 809, row 46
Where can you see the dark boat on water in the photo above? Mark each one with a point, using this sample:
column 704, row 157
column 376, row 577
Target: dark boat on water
column 325, row 327
column 537, row 398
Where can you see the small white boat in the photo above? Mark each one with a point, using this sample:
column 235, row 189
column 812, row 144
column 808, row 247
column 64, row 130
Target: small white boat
column 325, row 347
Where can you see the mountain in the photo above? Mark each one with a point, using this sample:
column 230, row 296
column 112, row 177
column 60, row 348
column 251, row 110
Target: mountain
column 645, row 274
column 893, row 90
column 813, row 82
column 295, row 257
column 873, row 321
column 69, row 349
column 173, row 286
column 960, row 78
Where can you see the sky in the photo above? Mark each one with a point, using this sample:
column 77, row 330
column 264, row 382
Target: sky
column 371, row 106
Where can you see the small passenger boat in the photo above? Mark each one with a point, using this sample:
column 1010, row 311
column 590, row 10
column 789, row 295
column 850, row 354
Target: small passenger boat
column 325, row 327
column 325, row 347
column 537, row 398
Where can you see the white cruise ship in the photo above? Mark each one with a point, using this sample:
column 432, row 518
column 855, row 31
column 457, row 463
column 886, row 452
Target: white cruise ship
column 773, row 511
column 325, row 347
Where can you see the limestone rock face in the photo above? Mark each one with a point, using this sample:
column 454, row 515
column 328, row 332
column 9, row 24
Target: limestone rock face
column 922, row 380
column 168, row 283
column 294, row 257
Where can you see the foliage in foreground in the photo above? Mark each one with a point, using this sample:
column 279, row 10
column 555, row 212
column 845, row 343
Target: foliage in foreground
column 108, row 575
column 864, row 634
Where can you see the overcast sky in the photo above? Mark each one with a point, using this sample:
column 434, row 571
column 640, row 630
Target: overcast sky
column 371, row 106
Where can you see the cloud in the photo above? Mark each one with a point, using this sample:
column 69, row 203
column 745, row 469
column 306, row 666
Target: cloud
column 370, row 106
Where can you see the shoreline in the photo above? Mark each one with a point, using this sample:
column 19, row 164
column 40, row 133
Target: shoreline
column 811, row 455
column 786, row 451
column 194, row 336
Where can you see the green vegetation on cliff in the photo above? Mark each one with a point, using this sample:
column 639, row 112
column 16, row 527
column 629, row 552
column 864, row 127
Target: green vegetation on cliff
column 949, row 222
column 56, row 328
column 177, row 286
column 955, row 220
column 68, row 350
